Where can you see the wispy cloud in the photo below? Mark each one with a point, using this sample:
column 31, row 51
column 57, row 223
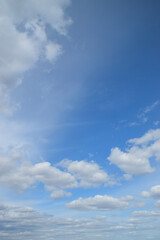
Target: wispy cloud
column 142, row 117
column 24, row 40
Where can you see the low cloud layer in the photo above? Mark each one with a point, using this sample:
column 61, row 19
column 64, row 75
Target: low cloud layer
column 26, row 223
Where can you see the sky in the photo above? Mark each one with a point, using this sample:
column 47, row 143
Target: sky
column 79, row 119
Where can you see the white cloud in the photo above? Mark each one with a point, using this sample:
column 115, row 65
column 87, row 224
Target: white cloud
column 136, row 159
column 88, row 173
column 18, row 54
column 133, row 161
column 60, row 194
column 24, row 40
column 50, row 12
column 151, row 136
column 20, row 170
column 26, row 223
column 20, row 174
column 146, row 213
column 52, row 177
column 127, row 176
column 142, row 117
column 148, row 109
column 153, row 193
column 53, row 50
column 100, row 203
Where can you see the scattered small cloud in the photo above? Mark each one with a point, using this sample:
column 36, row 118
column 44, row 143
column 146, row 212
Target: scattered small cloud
column 146, row 213
column 142, row 117
column 127, row 176
column 91, row 155
column 153, row 193
column 60, row 194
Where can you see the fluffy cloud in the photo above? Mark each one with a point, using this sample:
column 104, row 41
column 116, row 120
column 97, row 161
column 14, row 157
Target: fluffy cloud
column 13, row 175
column 50, row 12
column 154, row 192
column 18, row 173
column 135, row 160
column 24, row 40
column 100, row 203
column 52, row 177
column 88, row 173
column 152, row 135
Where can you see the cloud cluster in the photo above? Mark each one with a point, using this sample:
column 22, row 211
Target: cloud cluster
column 24, row 40
column 100, row 203
column 25, row 223
column 88, row 173
column 18, row 173
column 136, row 158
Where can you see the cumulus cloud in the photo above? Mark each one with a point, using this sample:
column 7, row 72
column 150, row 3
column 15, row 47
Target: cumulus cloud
column 153, row 193
column 24, row 40
column 100, row 203
column 88, row 173
column 52, row 177
column 19, row 173
column 152, row 135
column 136, row 158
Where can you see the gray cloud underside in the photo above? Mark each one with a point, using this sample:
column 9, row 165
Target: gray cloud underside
column 25, row 223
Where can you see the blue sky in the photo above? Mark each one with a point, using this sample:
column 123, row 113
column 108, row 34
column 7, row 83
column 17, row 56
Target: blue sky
column 79, row 119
